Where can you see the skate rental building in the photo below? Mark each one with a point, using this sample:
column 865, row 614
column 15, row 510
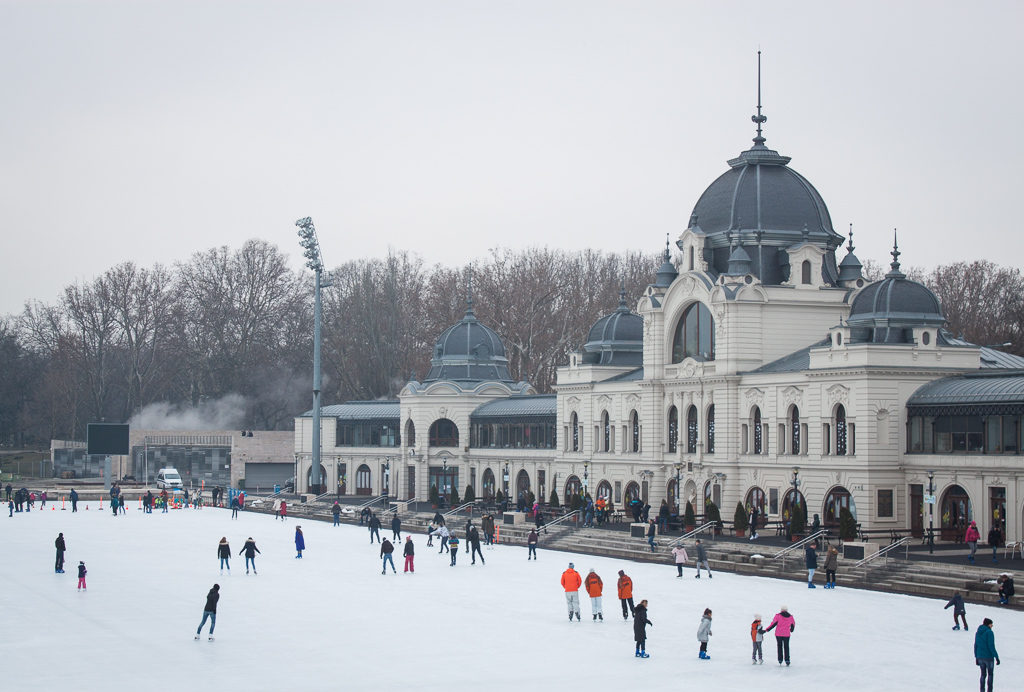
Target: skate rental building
column 757, row 367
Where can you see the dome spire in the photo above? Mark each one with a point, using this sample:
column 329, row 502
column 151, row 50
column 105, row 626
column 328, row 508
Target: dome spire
column 668, row 253
column 469, row 297
column 849, row 247
column 895, row 265
column 759, row 119
column 623, row 306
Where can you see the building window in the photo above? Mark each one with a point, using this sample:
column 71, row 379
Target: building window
column 695, row 335
column 443, row 433
column 363, row 486
column 826, row 439
column 805, row 272
column 691, row 430
column 841, row 430
column 673, row 429
column 794, row 421
column 574, row 424
column 758, row 433
column 380, row 433
column 691, row 258
column 885, row 504
column 606, row 429
column 711, row 430
column 634, row 424
column 773, row 500
column 410, row 433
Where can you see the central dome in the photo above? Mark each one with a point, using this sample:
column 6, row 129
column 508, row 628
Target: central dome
column 469, row 351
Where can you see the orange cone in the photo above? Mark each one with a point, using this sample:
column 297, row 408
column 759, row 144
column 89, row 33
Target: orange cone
column 87, row 508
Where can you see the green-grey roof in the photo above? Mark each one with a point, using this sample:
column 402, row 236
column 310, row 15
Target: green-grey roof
column 797, row 361
column 978, row 393
column 631, row 376
column 360, row 410
column 539, row 406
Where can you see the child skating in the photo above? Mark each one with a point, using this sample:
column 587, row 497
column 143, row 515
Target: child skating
column 453, row 546
column 703, row 633
column 82, row 571
column 757, row 637
column 959, row 611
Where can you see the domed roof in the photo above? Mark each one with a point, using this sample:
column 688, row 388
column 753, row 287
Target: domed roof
column 887, row 310
column 667, row 272
column 469, row 351
column 617, row 338
column 850, row 268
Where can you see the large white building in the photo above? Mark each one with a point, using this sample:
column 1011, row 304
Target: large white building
column 755, row 369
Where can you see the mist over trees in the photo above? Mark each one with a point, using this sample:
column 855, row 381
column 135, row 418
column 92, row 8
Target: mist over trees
column 225, row 338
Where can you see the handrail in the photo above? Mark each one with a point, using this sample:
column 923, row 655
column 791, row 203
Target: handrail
column 374, row 501
column 322, row 496
column 459, row 508
column 696, row 531
column 393, row 506
column 884, row 552
column 801, row 543
column 559, row 520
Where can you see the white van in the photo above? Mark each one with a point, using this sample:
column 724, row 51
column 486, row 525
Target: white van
column 168, row 478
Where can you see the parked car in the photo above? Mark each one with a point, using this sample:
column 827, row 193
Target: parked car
column 168, row 478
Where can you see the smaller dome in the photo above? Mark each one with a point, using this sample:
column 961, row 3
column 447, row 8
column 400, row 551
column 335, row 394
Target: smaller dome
column 617, row 338
column 667, row 272
column 740, row 263
column 469, row 351
column 850, row 269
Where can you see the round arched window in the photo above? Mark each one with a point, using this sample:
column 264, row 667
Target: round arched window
column 695, row 335
column 926, row 338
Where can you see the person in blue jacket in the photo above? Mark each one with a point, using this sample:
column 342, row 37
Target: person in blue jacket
column 300, row 542
column 985, row 653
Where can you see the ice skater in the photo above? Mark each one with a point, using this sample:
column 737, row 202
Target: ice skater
column 336, row 513
column 443, row 532
column 831, row 563
column 757, row 637
column 210, row 611
column 250, row 551
column 74, row 500
column 703, row 634
column 959, row 611
column 640, row 622
column 679, row 553
column 985, row 654
column 82, row 571
column 374, row 525
column 594, row 587
column 785, row 624
column 386, row 549
column 58, row 565
column 300, row 543
column 625, row 588
column 410, row 553
column 531, row 544
column 811, row 561
column 571, row 583
column 473, row 540
column 224, row 553
column 396, row 528
column 453, row 547
column 702, row 558
column 282, row 511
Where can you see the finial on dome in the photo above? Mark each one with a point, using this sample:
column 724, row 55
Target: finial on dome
column 623, row 306
column 895, row 265
column 668, row 253
column 469, row 295
column 759, row 119
column 849, row 247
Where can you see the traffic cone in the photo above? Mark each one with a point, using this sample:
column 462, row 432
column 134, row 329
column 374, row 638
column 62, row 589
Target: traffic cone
column 101, row 503
column 497, row 534
column 53, row 507
column 87, row 508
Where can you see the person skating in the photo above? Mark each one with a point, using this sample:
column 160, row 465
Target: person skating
column 364, row 515
column 234, row 507
column 640, row 622
column 58, row 565
column 443, row 533
column 224, row 553
column 702, row 558
column 466, row 531
column 985, row 654
column 971, row 537
column 300, row 543
column 74, row 500
column 453, row 547
column 625, row 589
column 396, row 528
column 651, row 530
column 571, row 582
column 336, row 512
column 679, row 553
column 473, row 541
column 82, row 571
column 282, row 511
column 250, row 551
column 410, row 553
column 785, row 624
column 757, row 637
column 210, row 611
column 531, row 544
column 811, row 562
column 959, row 611
column 374, row 524
column 703, row 633
column 831, row 563
column 594, row 587
column 753, row 523
column 163, row 501
column 386, row 548
column 1006, row 589
column 995, row 539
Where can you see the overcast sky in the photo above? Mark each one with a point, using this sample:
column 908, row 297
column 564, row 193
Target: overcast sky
column 146, row 131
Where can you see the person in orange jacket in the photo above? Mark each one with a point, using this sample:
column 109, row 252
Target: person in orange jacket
column 594, row 586
column 626, row 595
column 571, row 583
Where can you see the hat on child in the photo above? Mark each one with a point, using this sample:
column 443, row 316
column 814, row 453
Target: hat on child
column 571, row 565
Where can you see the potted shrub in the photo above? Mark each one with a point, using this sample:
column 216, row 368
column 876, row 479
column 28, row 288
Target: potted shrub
column 576, row 502
column 739, row 519
column 470, row 495
column 847, row 525
column 454, row 497
column 689, row 518
column 711, row 513
column 554, row 499
column 435, row 498
column 798, row 522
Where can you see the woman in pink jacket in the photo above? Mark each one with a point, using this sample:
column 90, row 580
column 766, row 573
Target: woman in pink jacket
column 971, row 539
column 783, row 623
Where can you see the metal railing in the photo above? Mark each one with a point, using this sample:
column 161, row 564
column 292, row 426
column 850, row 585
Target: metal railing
column 323, row 495
column 696, row 532
column 564, row 518
column 800, row 544
column 366, row 504
column 393, row 506
column 461, row 507
column 884, row 552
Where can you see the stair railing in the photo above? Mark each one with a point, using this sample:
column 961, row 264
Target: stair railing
column 884, row 552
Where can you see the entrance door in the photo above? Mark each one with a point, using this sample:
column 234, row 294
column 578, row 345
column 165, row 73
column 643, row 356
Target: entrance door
column 410, row 492
column 997, row 509
column 917, row 510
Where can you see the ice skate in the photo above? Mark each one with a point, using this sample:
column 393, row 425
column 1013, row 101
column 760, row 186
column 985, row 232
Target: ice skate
column 956, row 628
column 644, row 654
column 197, row 637
column 210, row 639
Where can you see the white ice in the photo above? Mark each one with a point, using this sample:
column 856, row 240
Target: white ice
column 331, row 621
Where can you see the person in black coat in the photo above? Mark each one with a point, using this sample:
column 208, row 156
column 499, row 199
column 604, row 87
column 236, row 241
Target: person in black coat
column 410, row 553
column 210, row 611
column 640, row 622
column 224, row 553
column 374, row 525
column 385, row 552
column 58, row 566
column 250, row 551
column 396, row 528
column 474, row 542
column 74, row 500
column 364, row 515
column 811, row 560
column 469, row 528
column 336, row 513
column 651, row 529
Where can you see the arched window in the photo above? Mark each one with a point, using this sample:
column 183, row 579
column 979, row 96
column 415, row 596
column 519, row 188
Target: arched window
column 695, row 335
column 691, row 258
column 836, row 501
column 634, row 425
column 363, row 486
column 673, row 429
column 691, row 430
column 805, row 272
column 956, row 512
column 606, row 433
column 443, row 433
column 572, row 487
column 632, row 492
column 711, row 430
column 794, row 498
column 758, row 441
column 574, row 422
column 794, row 432
column 488, row 484
column 604, row 490
column 410, row 433
column 840, row 430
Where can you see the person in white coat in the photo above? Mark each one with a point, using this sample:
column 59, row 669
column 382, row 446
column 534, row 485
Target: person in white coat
column 679, row 553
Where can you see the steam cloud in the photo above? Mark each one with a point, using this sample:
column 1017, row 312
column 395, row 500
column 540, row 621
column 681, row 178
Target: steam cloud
column 226, row 413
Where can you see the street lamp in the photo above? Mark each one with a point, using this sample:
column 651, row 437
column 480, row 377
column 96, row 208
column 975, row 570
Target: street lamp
column 931, row 512
column 506, row 479
column 679, row 467
column 387, row 479
column 586, row 475
column 314, row 260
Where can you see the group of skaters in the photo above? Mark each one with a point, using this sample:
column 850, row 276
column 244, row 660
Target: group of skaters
column 250, row 550
column 23, row 499
column 58, row 564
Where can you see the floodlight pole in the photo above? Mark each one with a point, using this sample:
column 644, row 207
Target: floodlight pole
column 309, row 242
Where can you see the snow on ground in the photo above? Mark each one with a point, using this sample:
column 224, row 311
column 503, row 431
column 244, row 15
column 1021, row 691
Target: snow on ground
column 332, row 618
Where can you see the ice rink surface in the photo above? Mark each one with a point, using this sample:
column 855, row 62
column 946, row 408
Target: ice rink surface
column 332, row 621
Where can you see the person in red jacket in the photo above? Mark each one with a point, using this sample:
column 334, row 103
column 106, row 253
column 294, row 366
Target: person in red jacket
column 594, row 586
column 571, row 583
column 971, row 539
column 626, row 595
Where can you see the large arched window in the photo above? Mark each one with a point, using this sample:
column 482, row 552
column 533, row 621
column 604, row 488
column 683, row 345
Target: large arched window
column 488, row 484
column 606, row 432
column 673, row 429
column 410, row 433
column 794, row 432
column 363, row 486
column 634, row 427
column 841, row 430
column 695, row 335
column 758, row 439
column 572, row 487
column 691, row 430
column 711, row 430
column 574, row 422
column 443, row 433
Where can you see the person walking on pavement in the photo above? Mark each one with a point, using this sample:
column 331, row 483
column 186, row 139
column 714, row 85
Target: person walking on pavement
column 625, row 588
column 396, row 528
column 831, row 563
column 786, row 624
column 74, row 500
column 995, row 539
column 336, row 513
column 300, row 543
column 811, row 561
column 250, row 551
column 410, row 553
column 58, row 565
column 210, row 611
column 385, row 552
column 971, row 539
column 594, row 587
column 959, row 611
column 531, row 544
column 651, row 530
column 702, row 558
column 374, row 525
column 679, row 553
column 753, row 523
column 571, row 582
column 224, row 553
column 985, row 655
column 640, row 622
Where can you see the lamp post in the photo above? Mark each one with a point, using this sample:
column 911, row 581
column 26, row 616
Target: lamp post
column 586, row 476
column 679, row 468
column 505, row 480
column 931, row 512
column 311, row 245
column 796, row 490
column 387, row 479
